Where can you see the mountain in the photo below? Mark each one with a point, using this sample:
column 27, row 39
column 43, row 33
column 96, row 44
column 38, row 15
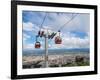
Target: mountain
column 56, row 51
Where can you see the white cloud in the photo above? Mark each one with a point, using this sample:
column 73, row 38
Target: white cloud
column 76, row 42
column 70, row 41
column 26, row 36
column 28, row 46
column 28, row 26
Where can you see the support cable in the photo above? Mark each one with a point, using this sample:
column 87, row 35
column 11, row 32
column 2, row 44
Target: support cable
column 73, row 16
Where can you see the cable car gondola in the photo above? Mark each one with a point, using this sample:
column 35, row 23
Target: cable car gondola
column 37, row 44
column 58, row 39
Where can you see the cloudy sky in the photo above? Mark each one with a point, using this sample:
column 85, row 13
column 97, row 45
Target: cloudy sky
column 75, row 34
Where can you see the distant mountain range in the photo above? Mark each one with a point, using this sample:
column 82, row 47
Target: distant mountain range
column 56, row 51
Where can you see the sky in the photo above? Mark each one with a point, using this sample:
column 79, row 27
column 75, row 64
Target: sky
column 75, row 34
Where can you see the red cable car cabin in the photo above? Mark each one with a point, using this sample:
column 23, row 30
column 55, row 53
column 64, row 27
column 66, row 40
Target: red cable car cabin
column 58, row 40
column 37, row 45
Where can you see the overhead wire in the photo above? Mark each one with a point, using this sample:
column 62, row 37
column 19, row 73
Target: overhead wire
column 73, row 16
column 43, row 21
